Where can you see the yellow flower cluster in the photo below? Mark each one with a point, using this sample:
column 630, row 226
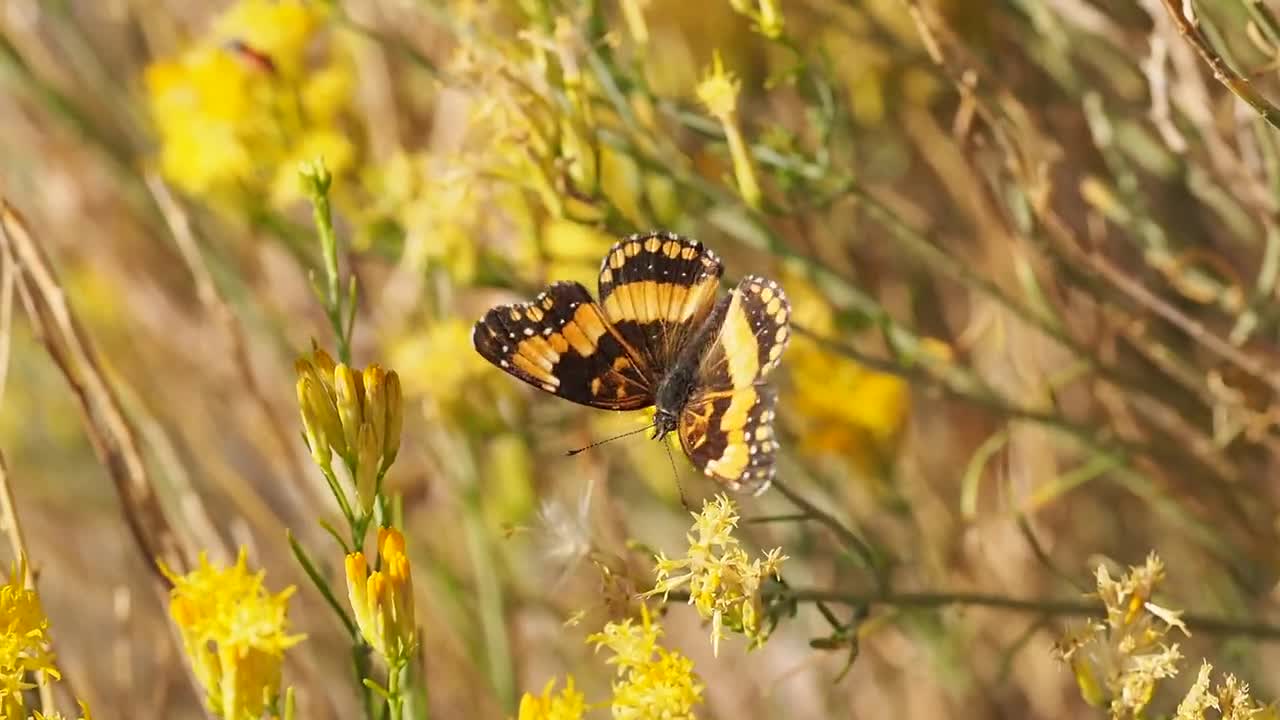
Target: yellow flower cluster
column 1118, row 662
column 723, row 581
column 235, row 634
column 654, row 682
column 24, row 642
column 383, row 600
column 237, row 112
column 1230, row 699
column 568, row 704
column 357, row 415
column 432, row 364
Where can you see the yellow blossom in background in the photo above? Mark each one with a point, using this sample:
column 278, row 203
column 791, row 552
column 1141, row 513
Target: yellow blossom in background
column 433, row 364
column 842, row 408
column 568, row 704
column 766, row 13
column 236, row 111
column 24, row 642
column 382, row 601
column 279, row 29
column 653, row 682
column 574, row 250
column 437, row 203
column 234, row 632
column 1117, row 663
column 722, row 580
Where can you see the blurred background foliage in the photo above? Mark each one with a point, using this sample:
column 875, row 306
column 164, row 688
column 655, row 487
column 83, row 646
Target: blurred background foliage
column 1032, row 248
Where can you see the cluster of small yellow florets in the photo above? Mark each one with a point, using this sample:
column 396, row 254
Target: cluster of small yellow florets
column 723, row 580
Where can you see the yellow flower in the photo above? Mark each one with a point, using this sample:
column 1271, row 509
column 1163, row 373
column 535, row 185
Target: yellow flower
column 653, row 682
column 382, row 601
column 434, row 366
column 279, row 29
column 718, row 91
column 236, row 111
column 24, row 642
column 234, row 632
column 200, row 105
column 568, row 704
column 1117, row 663
column 767, row 16
column 357, row 414
column 724, row 583
column 842, row 408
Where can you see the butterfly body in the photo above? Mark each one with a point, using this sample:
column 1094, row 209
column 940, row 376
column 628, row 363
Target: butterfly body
column 680, row 381
column 658, row 338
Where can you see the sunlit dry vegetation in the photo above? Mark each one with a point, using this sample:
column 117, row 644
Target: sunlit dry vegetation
column 1029, row 416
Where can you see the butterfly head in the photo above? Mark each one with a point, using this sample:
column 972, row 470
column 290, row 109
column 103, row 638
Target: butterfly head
column 664, row 421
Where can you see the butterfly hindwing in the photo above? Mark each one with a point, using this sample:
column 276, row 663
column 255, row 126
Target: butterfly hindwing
column 726, row 428
column 729, row 436
column 657, row 289
column 754, row 332
column 563, row 343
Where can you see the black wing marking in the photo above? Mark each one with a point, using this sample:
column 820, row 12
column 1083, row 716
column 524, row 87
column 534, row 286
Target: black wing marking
column 563, row 344
column 657, row 288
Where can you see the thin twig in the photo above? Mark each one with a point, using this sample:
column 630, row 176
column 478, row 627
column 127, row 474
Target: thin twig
column 1196, row 622
column 850, row 538
column 112, row 436
column 1222, row 72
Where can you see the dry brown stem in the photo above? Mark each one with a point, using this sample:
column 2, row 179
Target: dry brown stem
column 109, row 430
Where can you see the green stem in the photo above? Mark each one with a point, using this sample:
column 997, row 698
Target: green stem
column 1208, row 624
column 395, row 699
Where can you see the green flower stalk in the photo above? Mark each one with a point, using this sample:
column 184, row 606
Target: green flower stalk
column 718, row 92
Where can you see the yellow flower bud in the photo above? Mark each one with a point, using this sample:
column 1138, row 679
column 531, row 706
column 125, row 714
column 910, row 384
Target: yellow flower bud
column 770, row 21
column 357, row 577
column 375, row 401
column 319, row 418
column 368, row 460
column 383, row 601
column 317, row 439
column 396, row 565
column 323, row 362
column 348, row 394
column 395, row 419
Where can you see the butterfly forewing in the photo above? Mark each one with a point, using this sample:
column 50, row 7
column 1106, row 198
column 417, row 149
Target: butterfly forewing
column 563, row 343
column 726, row 428
column 657, row 289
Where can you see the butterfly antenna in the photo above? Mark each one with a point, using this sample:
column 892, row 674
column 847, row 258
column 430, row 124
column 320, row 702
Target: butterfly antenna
column 611, row 439
column 676, row 473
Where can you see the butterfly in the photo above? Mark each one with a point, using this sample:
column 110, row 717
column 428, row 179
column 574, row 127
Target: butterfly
column 658, row 337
